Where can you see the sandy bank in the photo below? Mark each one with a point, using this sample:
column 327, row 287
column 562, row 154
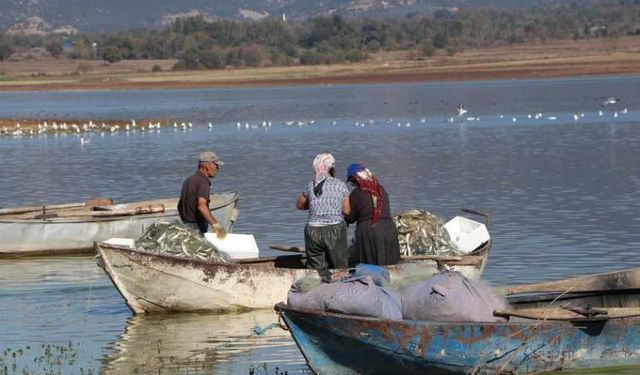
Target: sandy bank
column 541, row 60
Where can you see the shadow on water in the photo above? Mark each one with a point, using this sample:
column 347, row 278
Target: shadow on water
column 203, row 344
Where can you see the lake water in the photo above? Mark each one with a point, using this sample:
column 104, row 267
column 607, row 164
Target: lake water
column 563, row 194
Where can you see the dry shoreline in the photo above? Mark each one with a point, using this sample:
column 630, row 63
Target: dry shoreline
column 527, row 61
column 532, row 61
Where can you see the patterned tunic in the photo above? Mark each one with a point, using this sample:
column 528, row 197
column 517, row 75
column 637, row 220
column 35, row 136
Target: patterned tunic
column 327, row 208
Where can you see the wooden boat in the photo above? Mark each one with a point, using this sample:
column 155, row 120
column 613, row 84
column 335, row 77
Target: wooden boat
column 596, row 325
column 73, row 228
column 154, row 282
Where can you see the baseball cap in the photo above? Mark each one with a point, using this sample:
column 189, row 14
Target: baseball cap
column 210, row 157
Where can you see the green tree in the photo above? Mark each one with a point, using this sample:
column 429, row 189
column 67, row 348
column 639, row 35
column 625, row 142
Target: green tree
column 310, row 57
column 54, row 46
column 111, row 53
column 5, row 48
column 212, row 59
column 427, row 49
column 252, row 55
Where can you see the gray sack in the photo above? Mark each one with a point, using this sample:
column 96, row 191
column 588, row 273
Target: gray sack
column 357, row 296
column 451, row 297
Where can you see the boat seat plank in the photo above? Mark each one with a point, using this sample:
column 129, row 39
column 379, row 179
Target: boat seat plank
column 618, row 280
column 570, row 314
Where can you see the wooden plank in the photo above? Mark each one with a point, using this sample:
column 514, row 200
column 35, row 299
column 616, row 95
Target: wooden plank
column 568, row 315
column 468, row 260
column 617, row 280
column 437, row 258
column 89, row 203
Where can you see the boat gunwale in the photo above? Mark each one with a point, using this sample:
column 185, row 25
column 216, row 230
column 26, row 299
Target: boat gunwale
column 283, row 308
column 243, row 263
column 77, row 220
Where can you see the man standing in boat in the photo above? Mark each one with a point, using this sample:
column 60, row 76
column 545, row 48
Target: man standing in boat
column 193, row 205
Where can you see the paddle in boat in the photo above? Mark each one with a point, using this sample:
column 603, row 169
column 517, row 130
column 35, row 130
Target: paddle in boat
column 591, row 321
column 73, row 228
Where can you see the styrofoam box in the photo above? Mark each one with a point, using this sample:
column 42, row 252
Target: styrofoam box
column 466, row 234
column 238, row 246
column 127, row 242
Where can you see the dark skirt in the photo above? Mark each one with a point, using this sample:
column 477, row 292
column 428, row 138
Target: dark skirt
column 377, row 244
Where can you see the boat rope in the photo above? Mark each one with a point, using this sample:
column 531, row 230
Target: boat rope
column 259, row 331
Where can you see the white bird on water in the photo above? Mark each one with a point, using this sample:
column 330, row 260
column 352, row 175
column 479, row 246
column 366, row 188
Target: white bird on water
column 461, row 110
column 610, row 100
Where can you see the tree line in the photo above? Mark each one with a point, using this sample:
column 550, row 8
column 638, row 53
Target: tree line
column 200, row 44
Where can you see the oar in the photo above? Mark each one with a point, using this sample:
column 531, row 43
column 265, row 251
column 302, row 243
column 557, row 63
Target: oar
column 285, row 247
column 617, row 280
column 89, row 203
column 140, row 210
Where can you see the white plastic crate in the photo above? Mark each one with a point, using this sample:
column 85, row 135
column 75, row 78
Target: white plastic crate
column 466, row 234
column 238, row 246
column 127, row 242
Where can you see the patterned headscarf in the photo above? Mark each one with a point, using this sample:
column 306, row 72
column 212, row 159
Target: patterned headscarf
column 321, row 166
column 368, row 183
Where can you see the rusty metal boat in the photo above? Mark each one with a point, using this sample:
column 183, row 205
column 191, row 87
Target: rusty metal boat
column 592, row 321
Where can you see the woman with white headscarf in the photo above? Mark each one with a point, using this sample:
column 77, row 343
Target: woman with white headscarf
column 325, row 235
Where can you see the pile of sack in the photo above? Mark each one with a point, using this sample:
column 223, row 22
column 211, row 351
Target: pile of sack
column 175, row 239
column 445, row 297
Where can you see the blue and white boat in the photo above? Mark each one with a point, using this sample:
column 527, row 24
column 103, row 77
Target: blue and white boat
column 591, row 321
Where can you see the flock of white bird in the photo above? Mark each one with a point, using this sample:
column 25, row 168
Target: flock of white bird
column 89, row 128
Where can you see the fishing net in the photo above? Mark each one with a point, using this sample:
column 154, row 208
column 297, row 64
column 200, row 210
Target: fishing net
column 175, row 239
column 423, row 233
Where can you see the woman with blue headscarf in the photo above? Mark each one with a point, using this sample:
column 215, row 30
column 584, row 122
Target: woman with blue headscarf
column 325, row 235
column 376, row 234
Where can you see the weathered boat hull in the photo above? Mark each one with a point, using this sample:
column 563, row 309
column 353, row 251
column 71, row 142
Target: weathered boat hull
column 347, row 344
column 60, row 235
column 152, row 282
column 590, row 321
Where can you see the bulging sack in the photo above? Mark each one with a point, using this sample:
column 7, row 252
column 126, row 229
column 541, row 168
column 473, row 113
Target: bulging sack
column 357, row 296
column 451, row 297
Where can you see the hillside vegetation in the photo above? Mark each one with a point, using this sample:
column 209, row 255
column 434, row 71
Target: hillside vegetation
column 116, row 15
column 196, row 43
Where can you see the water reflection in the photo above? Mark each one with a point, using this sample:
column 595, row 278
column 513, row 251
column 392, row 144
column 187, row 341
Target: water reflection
column 563, row 194
column 203, row 344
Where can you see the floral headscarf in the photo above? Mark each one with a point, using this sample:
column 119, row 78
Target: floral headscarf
column 321, row 166
column 368, row 183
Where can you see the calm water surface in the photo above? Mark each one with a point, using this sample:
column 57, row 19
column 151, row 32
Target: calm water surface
column 563, row 195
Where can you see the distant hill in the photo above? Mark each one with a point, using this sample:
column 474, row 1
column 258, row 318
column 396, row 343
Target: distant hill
column 45, row 16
